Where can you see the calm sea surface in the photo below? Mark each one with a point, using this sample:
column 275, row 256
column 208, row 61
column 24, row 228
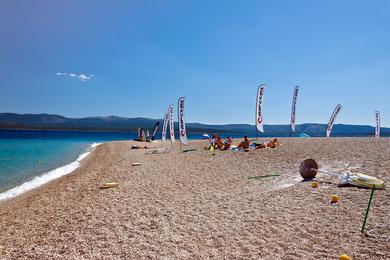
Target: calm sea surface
column 26, row 154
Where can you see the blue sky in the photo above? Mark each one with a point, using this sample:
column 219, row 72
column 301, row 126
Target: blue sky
column 144, row 55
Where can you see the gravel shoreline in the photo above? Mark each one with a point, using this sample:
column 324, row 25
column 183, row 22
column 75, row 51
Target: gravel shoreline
column 195, row 206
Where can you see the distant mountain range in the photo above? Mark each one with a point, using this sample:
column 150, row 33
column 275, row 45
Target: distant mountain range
column 114, row 123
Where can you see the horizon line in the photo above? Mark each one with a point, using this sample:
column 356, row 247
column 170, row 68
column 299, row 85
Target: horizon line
column 206, row 123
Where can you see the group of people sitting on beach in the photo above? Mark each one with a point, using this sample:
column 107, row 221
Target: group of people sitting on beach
column 216, row 142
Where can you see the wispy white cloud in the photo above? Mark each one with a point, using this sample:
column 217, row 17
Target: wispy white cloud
column 81, row 76
column 84, row 77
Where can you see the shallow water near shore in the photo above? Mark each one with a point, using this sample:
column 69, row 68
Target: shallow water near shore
column 24, row 155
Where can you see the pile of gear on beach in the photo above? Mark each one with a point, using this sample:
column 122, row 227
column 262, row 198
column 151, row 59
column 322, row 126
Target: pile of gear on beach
column 216, row 142
column 309, row 169
column 146, row 137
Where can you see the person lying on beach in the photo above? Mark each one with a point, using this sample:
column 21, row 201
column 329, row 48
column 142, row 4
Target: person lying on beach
column 259, row 146
column 138, row 147
column 244, row 144
column 273, row 143
column 227, row 144
column 270, row 144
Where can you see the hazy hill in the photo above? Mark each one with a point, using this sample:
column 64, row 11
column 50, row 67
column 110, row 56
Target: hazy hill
column 114, row 123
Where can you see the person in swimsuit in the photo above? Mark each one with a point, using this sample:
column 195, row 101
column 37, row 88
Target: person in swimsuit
column 244, row 144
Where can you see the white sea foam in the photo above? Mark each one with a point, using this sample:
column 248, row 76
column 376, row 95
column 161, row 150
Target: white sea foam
column 46, row 177
column 95, row 144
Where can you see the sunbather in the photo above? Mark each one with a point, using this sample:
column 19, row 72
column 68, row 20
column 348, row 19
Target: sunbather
column 244, row 144
column 227, row 143
column 259, row 146
column 273, row 143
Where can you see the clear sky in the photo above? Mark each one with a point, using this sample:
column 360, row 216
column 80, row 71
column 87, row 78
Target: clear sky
column 134, row 58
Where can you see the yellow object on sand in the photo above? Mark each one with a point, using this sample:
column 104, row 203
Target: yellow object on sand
column 335, row 199
column 361, row 180
column 314, row 184
column 344, row 257
column 109, row 185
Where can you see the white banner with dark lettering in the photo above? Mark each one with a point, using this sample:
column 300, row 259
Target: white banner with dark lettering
column 164, row 129
column 171, row 124
column 332, row 119
column 378, row 124
column 181, row 121
column 259, row 108
column 293, row 108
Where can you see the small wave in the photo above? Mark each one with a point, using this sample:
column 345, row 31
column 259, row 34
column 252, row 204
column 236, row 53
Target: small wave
column 95, row 144
column 46, row 177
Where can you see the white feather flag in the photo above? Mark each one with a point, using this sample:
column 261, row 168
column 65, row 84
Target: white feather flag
column 181, row 121
column 293, row 109
column 171, row 124
column 164, row 129
column 332, row 119
column 378, row 124
column 259, row 108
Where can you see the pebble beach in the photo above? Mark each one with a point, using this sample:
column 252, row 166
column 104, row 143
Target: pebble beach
column 192, row 205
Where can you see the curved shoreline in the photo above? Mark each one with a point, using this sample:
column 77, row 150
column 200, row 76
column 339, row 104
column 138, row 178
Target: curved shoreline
column 195, row 206
column 46, row 177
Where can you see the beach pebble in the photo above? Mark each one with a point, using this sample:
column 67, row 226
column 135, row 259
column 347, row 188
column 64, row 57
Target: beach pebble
column 345, row 257
column 335, row 199
column 108, row 185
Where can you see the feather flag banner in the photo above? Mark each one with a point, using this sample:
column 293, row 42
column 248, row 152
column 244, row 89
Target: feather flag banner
column 259, row 108
column 332, row 119
column 164, row 129
column 293, row 108
column 378, row 124
column 181, row 121
column 171, row 124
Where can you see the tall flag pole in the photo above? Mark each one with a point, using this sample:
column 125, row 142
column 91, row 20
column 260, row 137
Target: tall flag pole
column 181, row 121
column 332, row 119
column 164, row 129
column 171, row 125
column 259, row 109
column 378, row 124
column 293, row 109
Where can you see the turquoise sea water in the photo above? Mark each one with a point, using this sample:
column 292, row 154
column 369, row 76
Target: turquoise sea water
column 22, row 159
column 25, row 155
